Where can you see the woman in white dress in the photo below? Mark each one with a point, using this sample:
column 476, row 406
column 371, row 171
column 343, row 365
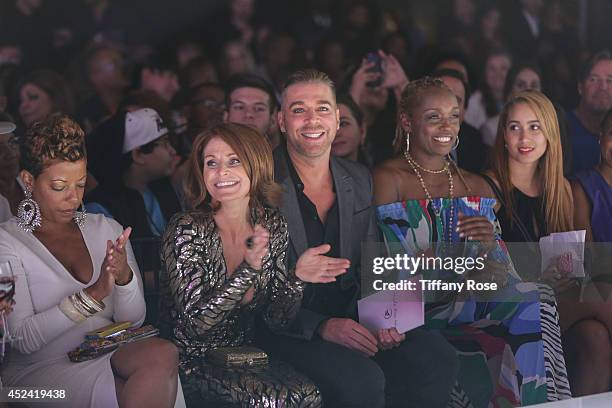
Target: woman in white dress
column 74, row 275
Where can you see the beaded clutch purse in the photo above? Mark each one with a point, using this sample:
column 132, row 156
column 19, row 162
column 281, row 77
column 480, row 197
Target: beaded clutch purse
column 95, row 346
column 234, row 357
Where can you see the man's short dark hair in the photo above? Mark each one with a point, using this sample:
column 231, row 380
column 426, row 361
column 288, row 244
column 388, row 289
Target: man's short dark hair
column 309, row 75
column 449, row 55
column 602, row 55
column 250, row 81
column 156, row 63
column 453, row 73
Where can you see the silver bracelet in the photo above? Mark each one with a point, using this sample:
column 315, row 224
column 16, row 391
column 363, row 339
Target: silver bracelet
column 67, row 308
column 79, row 306
column 91, row 302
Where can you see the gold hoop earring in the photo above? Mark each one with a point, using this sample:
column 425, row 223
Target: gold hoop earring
column 407, row 142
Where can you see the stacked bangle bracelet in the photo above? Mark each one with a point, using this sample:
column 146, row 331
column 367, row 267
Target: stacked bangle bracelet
column 79, row 306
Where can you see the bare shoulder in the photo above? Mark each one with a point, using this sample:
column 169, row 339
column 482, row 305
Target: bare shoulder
column 578, row 193
column 478, row 185
column 387, row 178
column 387, row 170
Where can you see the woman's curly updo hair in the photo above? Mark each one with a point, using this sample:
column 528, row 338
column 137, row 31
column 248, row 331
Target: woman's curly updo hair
column 410, row 98
column 56, row 138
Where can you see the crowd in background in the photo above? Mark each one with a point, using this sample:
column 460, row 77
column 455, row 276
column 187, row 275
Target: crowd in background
column 88, row 58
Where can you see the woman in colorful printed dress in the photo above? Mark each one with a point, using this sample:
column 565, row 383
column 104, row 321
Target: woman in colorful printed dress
column 423, row 198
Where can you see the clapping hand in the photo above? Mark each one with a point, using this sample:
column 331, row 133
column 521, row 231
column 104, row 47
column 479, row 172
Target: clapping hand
column 256, row 247
column 314, row 267
column 114, row 269
column 116, row 258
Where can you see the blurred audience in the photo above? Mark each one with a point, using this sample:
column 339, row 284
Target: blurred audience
column 40, row 94
column 101, row 82
column 595, row 91
column 197, row 71
column 251, row 101
column 159, row 75
column 330, row 57
column 10, row 189
column 523, row 27
column 375, row 86
column 134, row 181
column 203, row 107
column 520, row 77
column 236, row 58
column 352, row 132
column 488, row 100
column 489, row 35
column 9, row 166
column 457, row 25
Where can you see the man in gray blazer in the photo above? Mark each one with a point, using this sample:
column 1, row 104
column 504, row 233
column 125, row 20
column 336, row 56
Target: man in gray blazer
column 327, row 202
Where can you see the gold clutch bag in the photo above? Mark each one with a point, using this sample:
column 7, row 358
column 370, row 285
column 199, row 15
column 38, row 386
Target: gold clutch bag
column 233, row 357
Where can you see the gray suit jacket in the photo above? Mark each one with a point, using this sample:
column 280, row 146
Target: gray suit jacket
column 353, row 183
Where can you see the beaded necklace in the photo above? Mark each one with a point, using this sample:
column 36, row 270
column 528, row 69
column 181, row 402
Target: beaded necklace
column 451, row 188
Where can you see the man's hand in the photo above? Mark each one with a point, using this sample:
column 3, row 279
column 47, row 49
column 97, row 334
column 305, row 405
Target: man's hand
column 350, row 334
column 389, row 338
column 314, row 267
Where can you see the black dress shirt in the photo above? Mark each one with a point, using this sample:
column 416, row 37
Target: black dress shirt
column 328, row 298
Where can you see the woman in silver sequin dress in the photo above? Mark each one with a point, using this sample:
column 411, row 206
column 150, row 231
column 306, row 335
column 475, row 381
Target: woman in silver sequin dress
column 225, row 266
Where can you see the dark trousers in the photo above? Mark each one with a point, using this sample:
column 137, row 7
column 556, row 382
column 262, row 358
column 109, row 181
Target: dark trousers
column 419, row 373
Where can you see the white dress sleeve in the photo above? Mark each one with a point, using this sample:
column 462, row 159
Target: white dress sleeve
column 33, row 330
column 128, row 300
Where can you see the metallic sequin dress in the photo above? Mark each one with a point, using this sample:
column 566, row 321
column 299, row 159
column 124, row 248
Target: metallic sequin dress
column 201, row 310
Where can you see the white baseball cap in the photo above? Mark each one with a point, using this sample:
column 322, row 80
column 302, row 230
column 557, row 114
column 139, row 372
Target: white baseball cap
column 7, row 127
column 142, row 126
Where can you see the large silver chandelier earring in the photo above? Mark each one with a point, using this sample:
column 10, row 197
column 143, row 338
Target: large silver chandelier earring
column 80, row 216
column 28, row 213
